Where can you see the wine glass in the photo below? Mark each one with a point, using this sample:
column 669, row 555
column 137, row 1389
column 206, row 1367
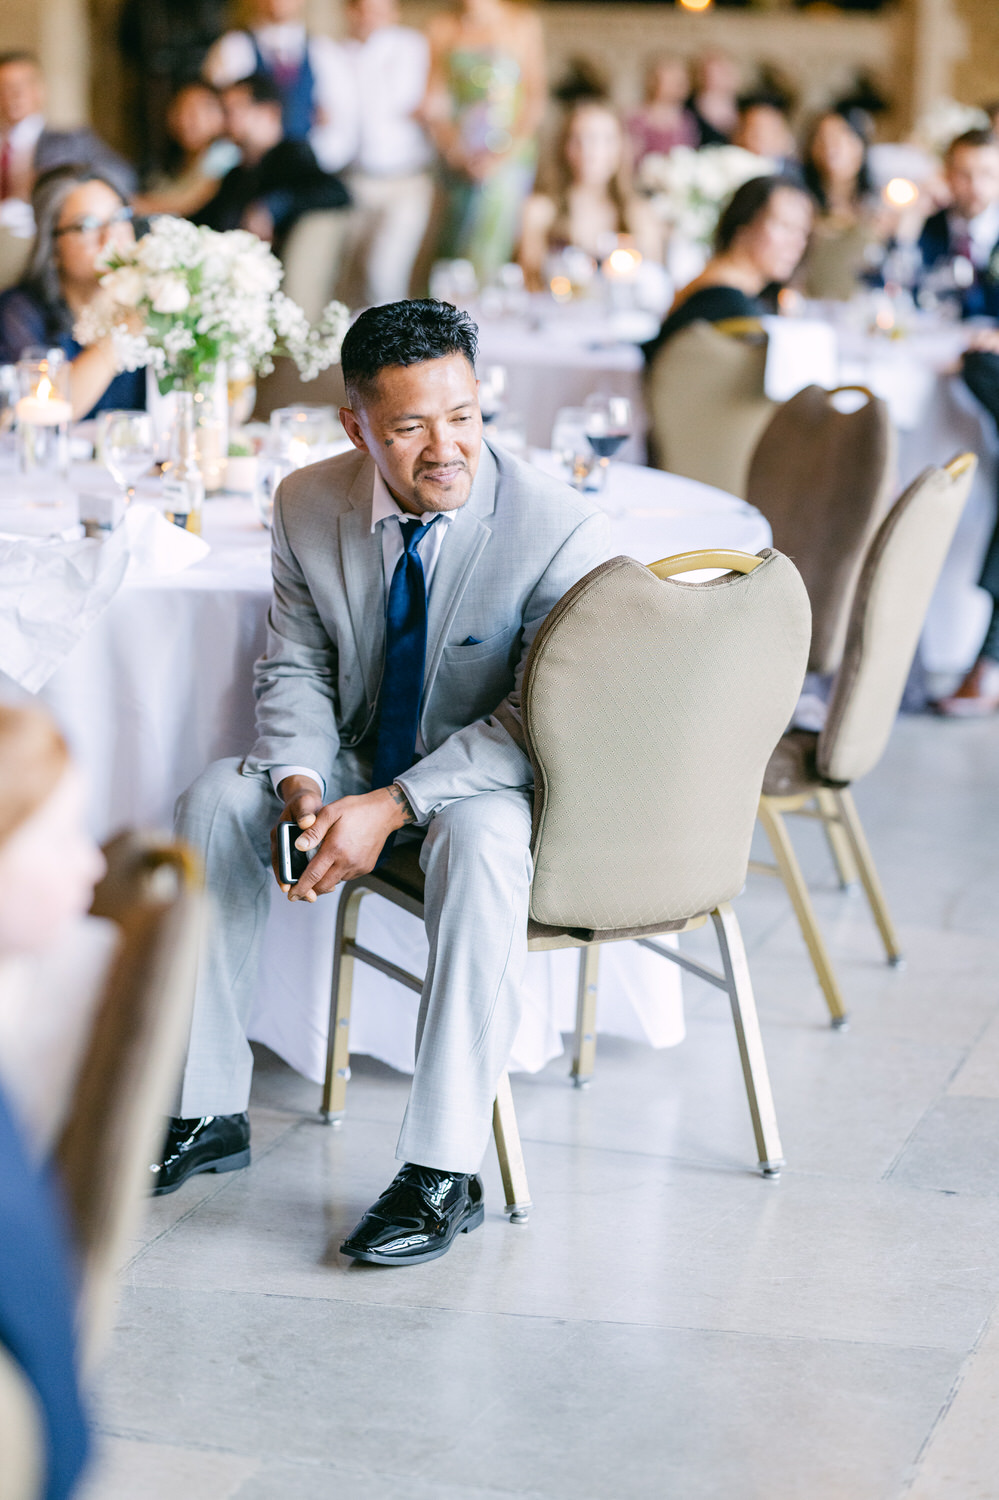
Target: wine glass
column 492, row 391
column 571, row 444
column 608, row 424
column 127, row 447
column 9, row 391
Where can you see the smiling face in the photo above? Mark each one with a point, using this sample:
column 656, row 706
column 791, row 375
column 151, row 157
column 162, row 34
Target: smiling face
column 86, row 226
column 422, row 426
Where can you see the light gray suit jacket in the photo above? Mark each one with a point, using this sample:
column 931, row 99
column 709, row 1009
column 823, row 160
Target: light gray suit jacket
column 520, row 541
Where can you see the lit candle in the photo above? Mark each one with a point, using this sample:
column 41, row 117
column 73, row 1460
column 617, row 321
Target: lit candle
column 900, row 192
column 43, row 409
column 622, row 264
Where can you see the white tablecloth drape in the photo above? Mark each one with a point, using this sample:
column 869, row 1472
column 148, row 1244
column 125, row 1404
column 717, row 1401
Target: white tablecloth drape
column 160, row 686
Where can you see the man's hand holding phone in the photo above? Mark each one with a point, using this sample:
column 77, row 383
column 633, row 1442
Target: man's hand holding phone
column 347, row 835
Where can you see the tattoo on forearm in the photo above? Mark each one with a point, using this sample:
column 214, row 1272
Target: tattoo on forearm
column 401, row 800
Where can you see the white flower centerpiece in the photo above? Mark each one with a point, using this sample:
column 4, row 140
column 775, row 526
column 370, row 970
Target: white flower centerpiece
column 688, row 188
column 185, row 300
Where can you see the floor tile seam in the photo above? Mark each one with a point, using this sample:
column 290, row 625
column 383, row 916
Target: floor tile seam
column 223, row 1181
column 318, row 1466
column 562, row 1319
column 951, row 1397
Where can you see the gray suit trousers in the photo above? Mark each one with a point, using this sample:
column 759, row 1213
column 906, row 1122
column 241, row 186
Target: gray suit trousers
column 477, row 862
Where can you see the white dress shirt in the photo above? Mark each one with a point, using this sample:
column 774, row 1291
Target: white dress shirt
column 388, row 514
column 333, row 137
column 982, row 231
column 22, row 140
column 389, row 79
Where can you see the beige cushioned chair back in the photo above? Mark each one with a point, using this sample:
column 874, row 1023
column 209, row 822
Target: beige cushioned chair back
column 126, row 1084
column 704, row 392
column 650, row 711
column 893, row 595
column 824, row 480
column 22, row 1451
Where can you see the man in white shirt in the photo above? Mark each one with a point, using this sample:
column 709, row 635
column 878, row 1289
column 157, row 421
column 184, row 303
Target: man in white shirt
column 389, row 175
column 310, row 71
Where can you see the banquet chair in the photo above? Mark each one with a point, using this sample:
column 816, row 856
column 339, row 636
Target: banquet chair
column 650, row 708
column 124, row 1088
column 22, row 1447
column 810, row 774
column 824, row 479
column 706, row 403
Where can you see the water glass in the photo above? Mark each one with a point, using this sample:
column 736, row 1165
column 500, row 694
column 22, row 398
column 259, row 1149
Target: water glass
column 9, row 392
column 492, row 391
column 303, row 435
column 126, row 446
column 571, row 445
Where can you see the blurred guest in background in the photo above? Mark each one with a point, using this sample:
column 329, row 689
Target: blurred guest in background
column 714, row 101
column 200, row 154
column 41, row 808
column 389, row 177
column 277, row 180
column 77, row 216
column 664, row 121
column 763, row 128
column 29, row 146
column 759, row 242
column 309, row 72
column 968, row 230
column 592, row 203
column 849, row 222
column 484, row 103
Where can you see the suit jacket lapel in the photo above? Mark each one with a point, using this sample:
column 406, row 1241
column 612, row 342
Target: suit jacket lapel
column 363, row 579
column 466, row 536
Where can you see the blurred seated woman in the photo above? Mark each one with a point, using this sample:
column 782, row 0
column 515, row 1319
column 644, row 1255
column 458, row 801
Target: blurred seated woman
column 591, row 204
column 78, row 215
column 664, row 121
column 760, row 239
column 201, row 154
column 848, row 224
column 41, row 810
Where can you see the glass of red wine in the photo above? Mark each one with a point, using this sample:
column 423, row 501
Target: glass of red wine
column 608, row 425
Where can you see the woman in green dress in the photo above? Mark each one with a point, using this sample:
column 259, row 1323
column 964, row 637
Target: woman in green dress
column 485, row 100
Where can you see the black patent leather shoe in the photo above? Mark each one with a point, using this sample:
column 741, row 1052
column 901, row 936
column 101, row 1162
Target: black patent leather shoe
column 212, row 1143
column 417, row 1217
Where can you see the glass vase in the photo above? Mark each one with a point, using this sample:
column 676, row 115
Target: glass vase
column 183, row 481
column 210, row 399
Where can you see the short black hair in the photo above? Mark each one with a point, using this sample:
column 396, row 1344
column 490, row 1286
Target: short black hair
column 262, row 88
column 404, row 333
column 973, row 138
column 748, row 203
column 19, row 55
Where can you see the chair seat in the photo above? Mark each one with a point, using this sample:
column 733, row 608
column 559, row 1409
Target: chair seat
column 401, row 871
column 793, row 768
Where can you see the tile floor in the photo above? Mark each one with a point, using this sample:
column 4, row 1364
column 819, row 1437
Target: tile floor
column 668, row 1324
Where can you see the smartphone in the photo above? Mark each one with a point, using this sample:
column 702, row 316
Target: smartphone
column 292, row 862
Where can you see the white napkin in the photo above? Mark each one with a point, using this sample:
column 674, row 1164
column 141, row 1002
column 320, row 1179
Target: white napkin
column 800, row 352
column 52, row 592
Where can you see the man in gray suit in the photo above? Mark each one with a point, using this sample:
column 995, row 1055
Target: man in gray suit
column 410, row 578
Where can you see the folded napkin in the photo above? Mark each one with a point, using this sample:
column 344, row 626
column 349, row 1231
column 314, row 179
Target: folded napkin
column 52, row 592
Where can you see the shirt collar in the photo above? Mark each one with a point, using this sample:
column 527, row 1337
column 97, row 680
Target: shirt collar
column 384, row 506
column 27, row 131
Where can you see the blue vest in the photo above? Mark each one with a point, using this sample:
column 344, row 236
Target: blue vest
column 298, row 93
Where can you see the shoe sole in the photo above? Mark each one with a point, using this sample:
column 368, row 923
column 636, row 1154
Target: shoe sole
column 373, row 1257
column 224, row 1164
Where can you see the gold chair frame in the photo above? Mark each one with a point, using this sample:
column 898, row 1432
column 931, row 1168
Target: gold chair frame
column 734, row 979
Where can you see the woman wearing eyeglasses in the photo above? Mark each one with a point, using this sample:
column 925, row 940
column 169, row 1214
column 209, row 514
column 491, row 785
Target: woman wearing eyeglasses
column 77, row 216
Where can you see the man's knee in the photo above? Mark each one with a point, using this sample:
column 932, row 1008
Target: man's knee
column 222, row 792
column 490, row 825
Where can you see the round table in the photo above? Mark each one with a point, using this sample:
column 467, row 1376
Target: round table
column 161, row 686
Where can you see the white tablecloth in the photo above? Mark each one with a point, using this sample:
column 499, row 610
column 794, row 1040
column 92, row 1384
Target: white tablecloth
column 160, row 687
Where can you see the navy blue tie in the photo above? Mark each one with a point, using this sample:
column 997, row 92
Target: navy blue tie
column 405, row 660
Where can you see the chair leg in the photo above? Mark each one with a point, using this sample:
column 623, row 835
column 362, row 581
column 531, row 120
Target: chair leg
column 838, row 839
column 869, row 875
column 794, row 881
column 585, row 1053
column 510, row 1153
column 747, row 1030
column 334, row 1102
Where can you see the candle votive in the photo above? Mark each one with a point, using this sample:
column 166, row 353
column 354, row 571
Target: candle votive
column 42, row 414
